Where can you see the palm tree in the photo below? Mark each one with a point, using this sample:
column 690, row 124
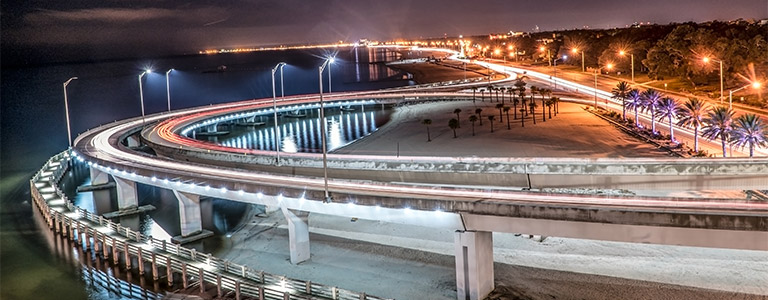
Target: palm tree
column 478, row 112
column 669, row 108
column 651, row 100
column 522, row 101
column 474, row 89
column 453, row 123
column 550, row 103
column 457, row 112
column 534, row 91
column 490, row 119
column 719, row 125
column 635, row 102
column 515, row 102
column 533, row 106
column 522, row 117
column 621, row 92
column 750, row 130
column 473, row 119
column 543, row 92
column 427, row 122
column 482, row 95
column 506, row 110
column 500, row 106
column 691, row 115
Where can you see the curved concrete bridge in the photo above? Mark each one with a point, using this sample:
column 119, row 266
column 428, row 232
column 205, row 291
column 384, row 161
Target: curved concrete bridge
column 474, row 196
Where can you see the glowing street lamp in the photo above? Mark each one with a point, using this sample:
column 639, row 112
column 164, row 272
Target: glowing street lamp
column 754, row 85
column 274, row 109
column 597, row 70
column 575, row 51
column 706, row 61
column 327, row 62
column 332, row 60
column 141, row 94
column 168, row 87
column 66, row 110
column 632, row 63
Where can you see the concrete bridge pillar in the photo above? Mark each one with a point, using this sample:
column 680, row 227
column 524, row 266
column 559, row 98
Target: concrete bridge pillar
column 101, row 198
column 474, row 264
column 127, row 195
column 133, row 141
column 189, row 213
column 298, row 235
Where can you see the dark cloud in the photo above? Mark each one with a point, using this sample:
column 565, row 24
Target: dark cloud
column 65, row 30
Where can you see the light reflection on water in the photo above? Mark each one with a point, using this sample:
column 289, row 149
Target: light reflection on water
column 303, row 134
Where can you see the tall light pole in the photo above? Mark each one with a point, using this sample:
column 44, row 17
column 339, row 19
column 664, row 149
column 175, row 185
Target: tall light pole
column 327, row 62
column 274, row 109
column 549, row 55
column 168, row 87
column 141, row 94
column 554, row 79
column 632, row 63
column 599, row 68
column 575, row 51
column 66, row 111
column 706, row 60
column 282, row 88
column 332, row 60
column 754, row 85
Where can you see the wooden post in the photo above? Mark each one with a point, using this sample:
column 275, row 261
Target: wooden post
column 169, row 270
column 237, row 289
column 242, row 271
column 155, row 276
column 261, row 293
column 362, row 296
column 141, row 262
column 184, row 274
column 164, row 250
column 127, row 256
column 115, row 258
column 202, row 279
column 218, row 285
column 95, row 242
column 286, row 296
column 104, row 246
column 308, row 285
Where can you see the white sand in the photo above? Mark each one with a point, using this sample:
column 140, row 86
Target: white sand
column 411, row 262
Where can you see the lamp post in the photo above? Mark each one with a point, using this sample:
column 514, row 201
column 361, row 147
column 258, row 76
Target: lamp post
column 554, row 79
column 141, row 95
column 274, row 110
column 332, row 60
column 632, row 63
column 706, row 60
column 599, row 68
column 755, row 85
column 327, row 62
column 575, row 51
column 66, row 111
column 168, row 87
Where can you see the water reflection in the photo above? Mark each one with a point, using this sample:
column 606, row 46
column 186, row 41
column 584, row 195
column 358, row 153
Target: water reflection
column 302, row 134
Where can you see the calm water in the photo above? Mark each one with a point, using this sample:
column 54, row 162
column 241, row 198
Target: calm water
column 36, row 265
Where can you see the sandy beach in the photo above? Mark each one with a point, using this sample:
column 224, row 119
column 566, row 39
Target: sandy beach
column 409, row 262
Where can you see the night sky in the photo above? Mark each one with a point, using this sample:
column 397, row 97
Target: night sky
column 94, row 29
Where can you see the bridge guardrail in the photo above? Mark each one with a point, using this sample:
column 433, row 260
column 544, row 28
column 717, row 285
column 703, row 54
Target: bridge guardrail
column 95, row 232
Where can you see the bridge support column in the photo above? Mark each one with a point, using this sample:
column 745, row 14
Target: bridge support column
column 474, row 264
column 127, row 195
column 101, row 199
column 189, row 213
column 298, row 235
column 133, row 141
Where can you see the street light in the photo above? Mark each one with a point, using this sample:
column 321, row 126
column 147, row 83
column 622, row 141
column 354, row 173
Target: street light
column 322, row 126
column 168, row 87
column 706, row 60
column 575, row 51
column 754, row 85
column 554, row 79
column 599, row 68
column 332, row 59
column 141, row 94
column 632, row 63
column 274, row 109
column 66, row 111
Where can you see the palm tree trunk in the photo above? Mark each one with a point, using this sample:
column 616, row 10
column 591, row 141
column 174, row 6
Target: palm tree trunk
column 508, row 125
column 473, row 128
column 671, row 129
column 696, row 139
column 454, row 133
column 653, row 120
column 480, row 117
column 457, row 119
column 623, row 109
column 514, row 107
column 751, row 149
column 637, row 122
column 722, row 139
column 543, row 110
